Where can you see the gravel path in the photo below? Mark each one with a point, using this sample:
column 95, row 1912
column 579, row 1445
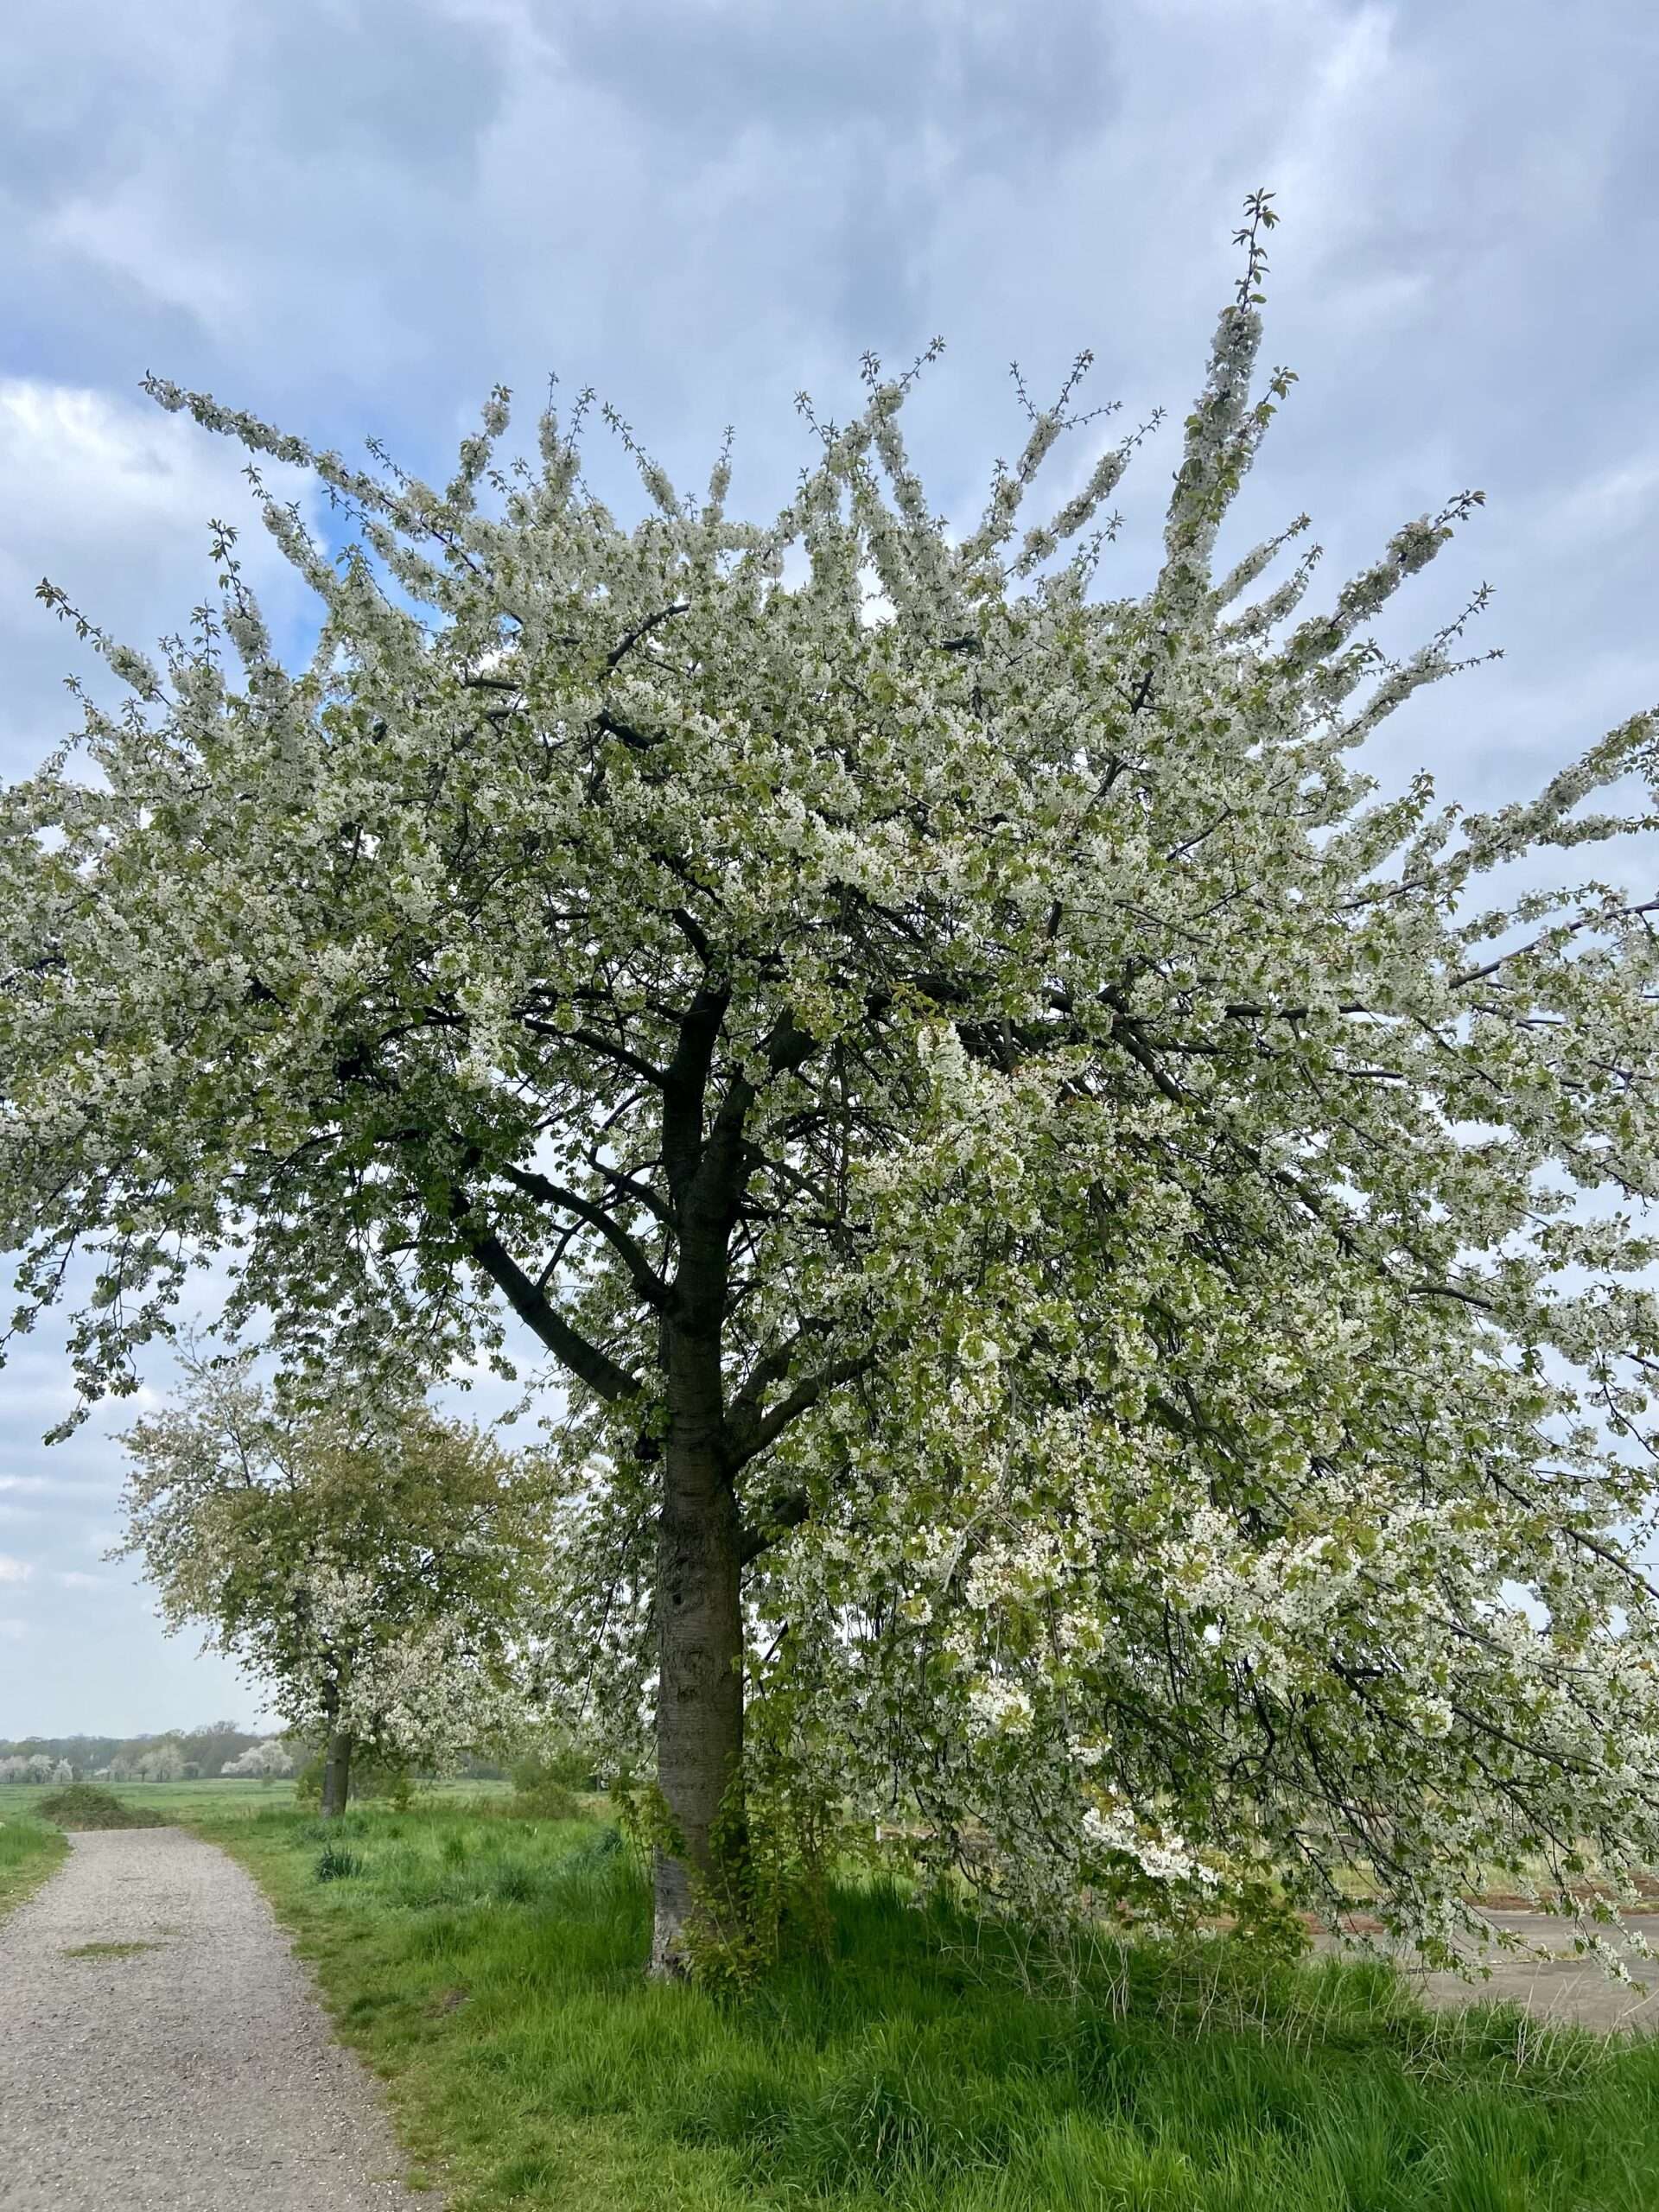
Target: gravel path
column 1559, row 1988
column 198, row 2074
column 1562, row 1988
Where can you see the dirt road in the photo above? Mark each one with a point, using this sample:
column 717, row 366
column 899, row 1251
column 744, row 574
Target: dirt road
column 1560, row 1988
column 160, row 2046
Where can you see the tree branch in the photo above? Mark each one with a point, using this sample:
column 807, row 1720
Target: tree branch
column 635, row 740
column 641, row 1193
column 596, row 1041
column 772, row 1367
column 619, row 653
column 644, row 1277
column 585, row 1361
column 785, row 1513
column 1583, row 922
column 686, row 1085
column 752, row 1433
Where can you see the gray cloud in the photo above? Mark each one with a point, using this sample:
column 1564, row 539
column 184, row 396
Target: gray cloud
column 995, row 82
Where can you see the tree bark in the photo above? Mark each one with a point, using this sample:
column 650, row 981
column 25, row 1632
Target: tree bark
column 336, row 1774
column 700, row 1663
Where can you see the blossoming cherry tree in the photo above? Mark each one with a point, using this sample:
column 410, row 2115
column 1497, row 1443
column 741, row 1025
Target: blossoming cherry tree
column 1058, row 1209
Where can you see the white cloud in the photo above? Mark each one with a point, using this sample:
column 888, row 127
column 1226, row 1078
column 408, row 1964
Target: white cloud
column 111, row 499
column 73, row 1579
column 128, row 232
column 14, row 1570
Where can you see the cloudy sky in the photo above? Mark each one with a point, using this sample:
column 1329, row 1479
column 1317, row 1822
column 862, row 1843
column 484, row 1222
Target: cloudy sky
column 355, row 216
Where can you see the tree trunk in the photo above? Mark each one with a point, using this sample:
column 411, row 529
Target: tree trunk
column 700, row 1661
column 336, row 1774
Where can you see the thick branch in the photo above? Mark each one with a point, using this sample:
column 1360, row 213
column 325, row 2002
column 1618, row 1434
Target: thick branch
column 645, row 1279
column 783, row 1514
column 635, row 740
column 585, row 1361
column 804, row 1396
column 772, row 1367
column 619, row 653
column 749, row 1433
column 687, row 1083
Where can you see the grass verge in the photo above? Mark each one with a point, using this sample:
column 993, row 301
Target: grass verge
column 29, row 1851
column 489, row 1969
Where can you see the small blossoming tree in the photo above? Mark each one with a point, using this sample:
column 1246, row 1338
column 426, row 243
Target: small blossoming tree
column 165, row 1762
column 35, row 1766
column 269, row 1761
column 366, row 1562
column 1098, row 1261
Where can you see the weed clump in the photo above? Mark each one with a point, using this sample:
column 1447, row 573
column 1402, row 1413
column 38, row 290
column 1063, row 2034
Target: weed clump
column 336, row 1864
column 546, row 1800
column 80, row 1805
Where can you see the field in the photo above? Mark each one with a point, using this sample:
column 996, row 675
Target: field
column 188, row 1802
column 489, row 1968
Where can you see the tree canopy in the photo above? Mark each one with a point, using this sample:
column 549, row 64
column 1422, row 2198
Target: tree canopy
column 1097, row 1256
column 369, row 1563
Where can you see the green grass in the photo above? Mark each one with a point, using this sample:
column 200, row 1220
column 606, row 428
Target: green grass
column 29, row 1851
column 174, row 1801
column 188, row 1802
column 107, row 1950
column 490, row 1969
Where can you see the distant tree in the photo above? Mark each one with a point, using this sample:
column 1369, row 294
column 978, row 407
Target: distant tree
column 34, row 1766
column 269, row 1761
column 83, row 1752
column 366, row 1560
column 1056, row 1204
column 210, row 1743
column 164, row 1763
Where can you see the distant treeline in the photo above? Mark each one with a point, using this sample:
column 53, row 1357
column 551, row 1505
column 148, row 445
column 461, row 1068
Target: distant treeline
column 197, row 1752
column 175, row 1754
